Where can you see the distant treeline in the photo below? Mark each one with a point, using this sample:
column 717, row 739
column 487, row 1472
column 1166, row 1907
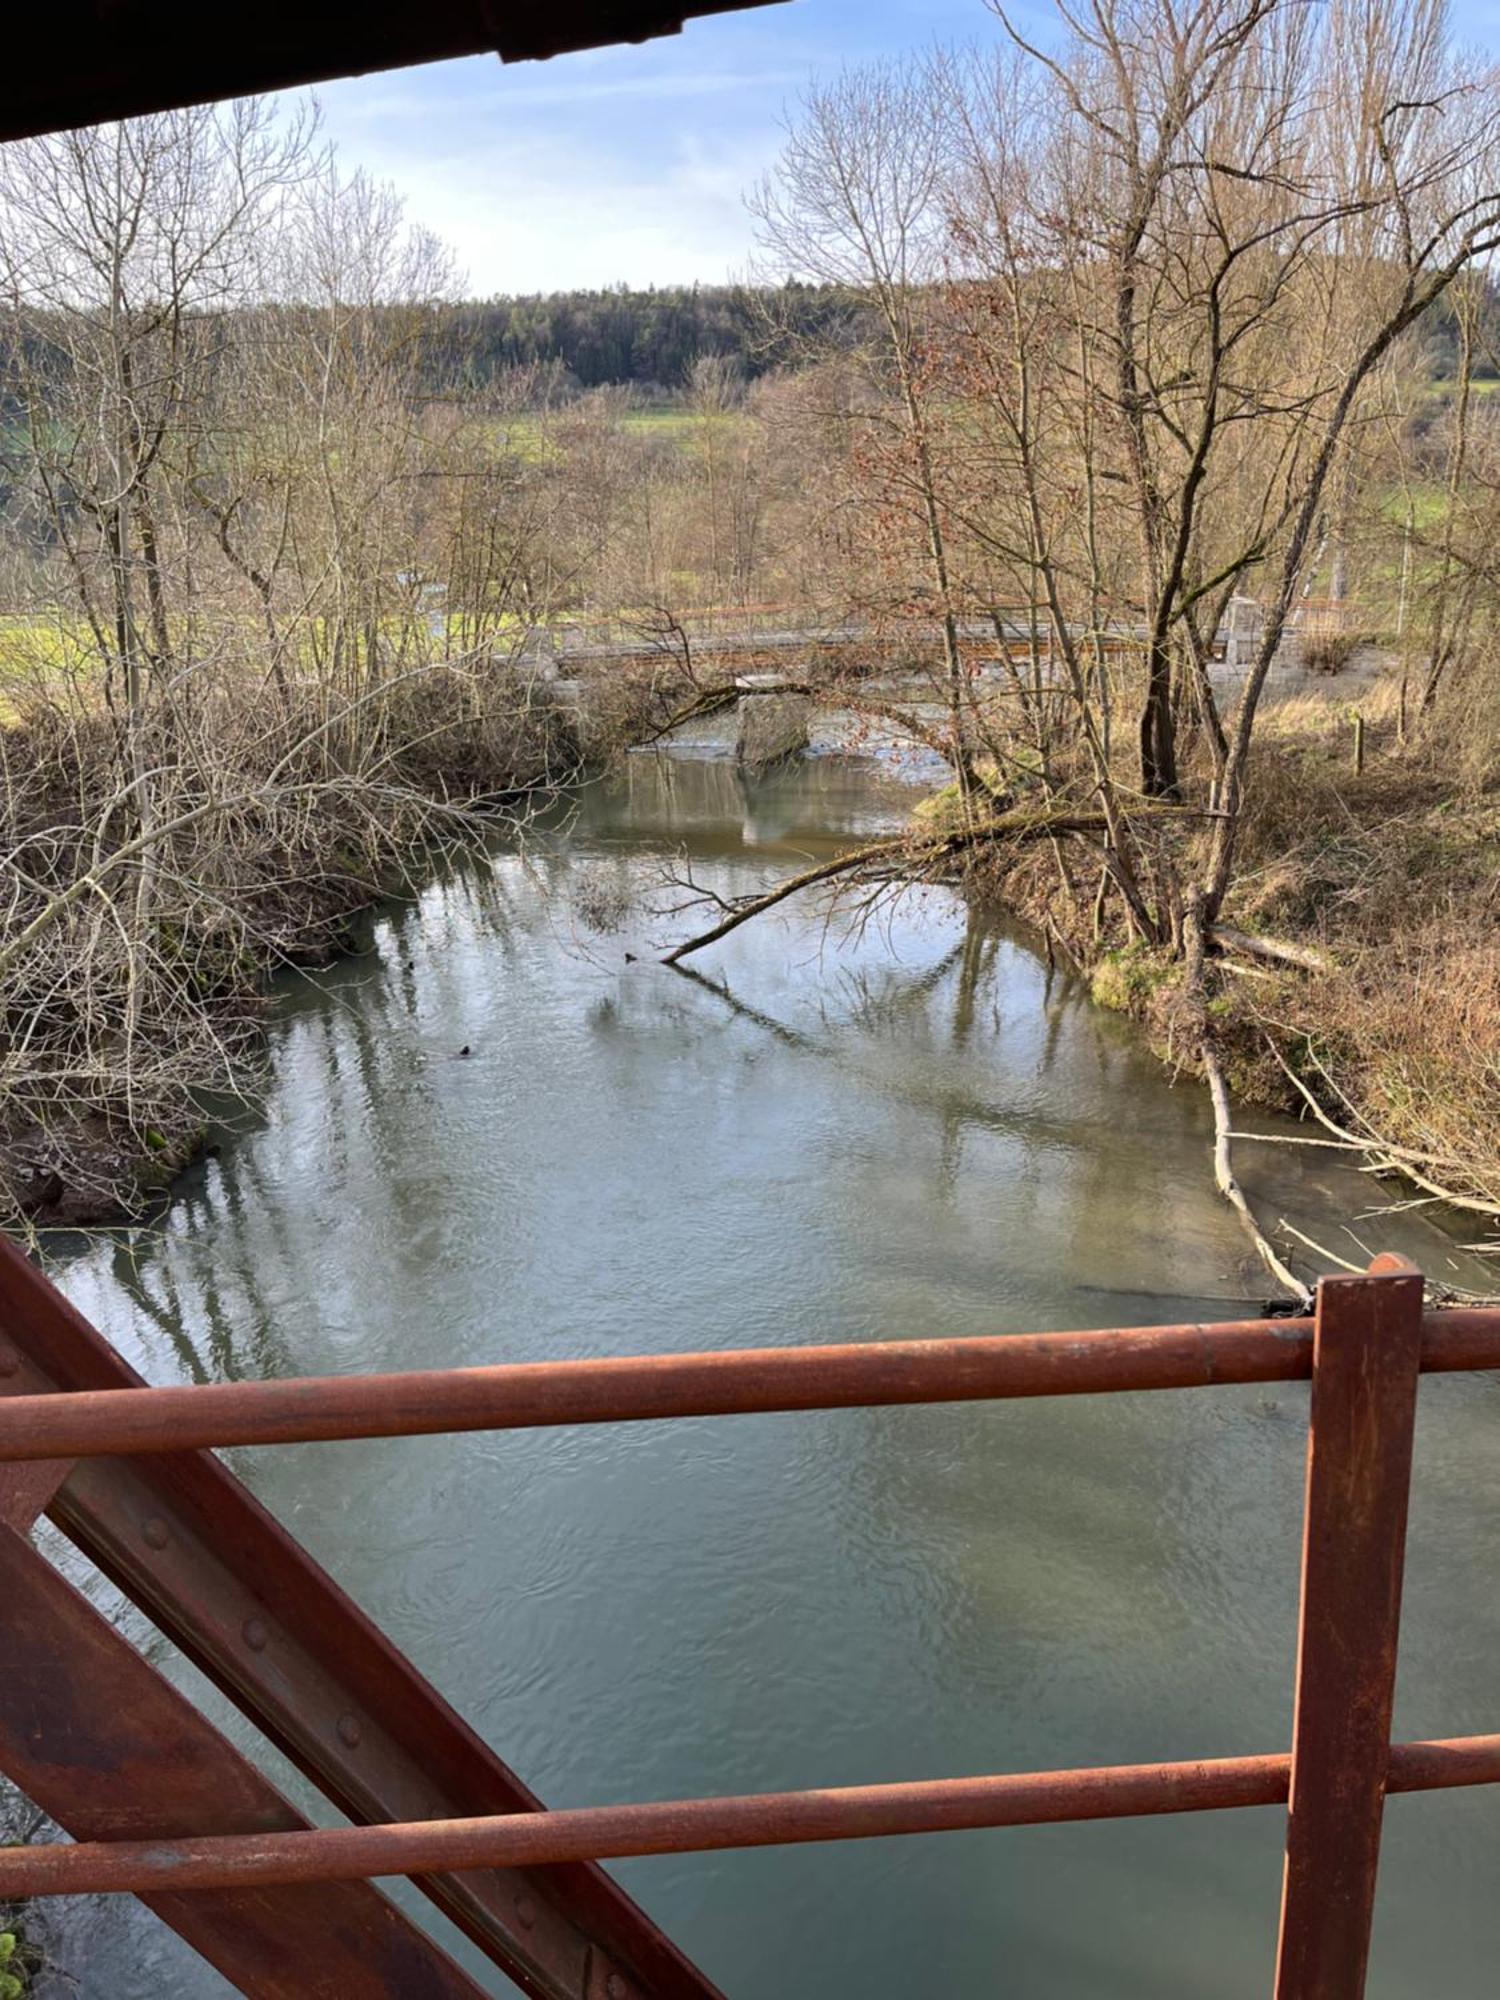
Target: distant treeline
column 647, row 338
column 1440, row 333
column 651, row 338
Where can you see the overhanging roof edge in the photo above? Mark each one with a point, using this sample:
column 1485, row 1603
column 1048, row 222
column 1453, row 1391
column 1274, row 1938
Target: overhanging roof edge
column 80, row 62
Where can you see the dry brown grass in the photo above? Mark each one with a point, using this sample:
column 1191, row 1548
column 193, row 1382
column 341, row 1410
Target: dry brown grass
column 1396, row 874
column 1418, row 1037
column 1393, row 872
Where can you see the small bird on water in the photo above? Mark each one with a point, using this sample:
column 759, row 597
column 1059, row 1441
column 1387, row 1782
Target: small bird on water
column 466, row 1050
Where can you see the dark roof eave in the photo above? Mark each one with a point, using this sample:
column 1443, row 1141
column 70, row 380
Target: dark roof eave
column 80, row 62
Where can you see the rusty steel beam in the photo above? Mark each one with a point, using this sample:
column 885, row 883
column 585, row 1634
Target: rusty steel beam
column 27, row 1490
column 99, row 1740
column 1366, row 1357
column 220, row 1577
column 695, row 1826
column 635, row 1388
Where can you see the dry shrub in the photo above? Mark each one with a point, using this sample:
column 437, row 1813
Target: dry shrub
column 1396, row 873
column 1329, row 652
column 1414, row 1031
column 457, row 734
column 629, row 699
column 131, row 976
column 281, row 815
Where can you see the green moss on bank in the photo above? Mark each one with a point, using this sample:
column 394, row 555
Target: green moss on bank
column 1129, row 980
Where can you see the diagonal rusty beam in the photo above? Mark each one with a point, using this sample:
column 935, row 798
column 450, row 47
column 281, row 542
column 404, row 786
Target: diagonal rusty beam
column 187, row 1543
column 27, row 1490
column 95, row 1736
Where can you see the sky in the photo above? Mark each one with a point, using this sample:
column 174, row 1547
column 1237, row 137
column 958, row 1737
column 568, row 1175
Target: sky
column 623, row 165
column 630, row 165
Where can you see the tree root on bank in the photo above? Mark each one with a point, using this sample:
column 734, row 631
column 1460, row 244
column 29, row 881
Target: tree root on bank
column 1194, row 930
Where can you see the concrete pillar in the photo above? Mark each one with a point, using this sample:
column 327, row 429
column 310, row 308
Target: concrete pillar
column 772, row 723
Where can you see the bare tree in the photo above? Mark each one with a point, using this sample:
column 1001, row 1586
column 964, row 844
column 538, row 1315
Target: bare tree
column 242, row 520
column 1136, row 288
column 118, row 247
column 856, row 203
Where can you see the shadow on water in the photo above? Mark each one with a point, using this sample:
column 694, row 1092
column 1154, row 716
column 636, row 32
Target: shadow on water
column 818, row 1131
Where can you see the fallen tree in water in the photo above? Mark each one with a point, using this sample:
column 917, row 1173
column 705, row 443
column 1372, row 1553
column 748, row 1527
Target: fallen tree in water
column 916, row 859
column 911, row 858
column 1287, row 1031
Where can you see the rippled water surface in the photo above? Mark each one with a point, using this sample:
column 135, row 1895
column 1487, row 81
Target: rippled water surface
column 834, row 1132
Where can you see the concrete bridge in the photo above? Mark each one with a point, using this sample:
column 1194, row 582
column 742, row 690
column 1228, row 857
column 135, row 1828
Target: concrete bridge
column 770, row 654
column 756, row 640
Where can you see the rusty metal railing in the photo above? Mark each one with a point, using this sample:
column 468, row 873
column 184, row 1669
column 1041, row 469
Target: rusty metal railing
column 1363, row 1351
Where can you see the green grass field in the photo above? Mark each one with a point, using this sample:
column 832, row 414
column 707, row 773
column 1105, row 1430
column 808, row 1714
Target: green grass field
column 531, row 438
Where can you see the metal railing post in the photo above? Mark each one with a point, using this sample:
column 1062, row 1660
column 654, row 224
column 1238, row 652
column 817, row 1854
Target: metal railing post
column 1366, row 1357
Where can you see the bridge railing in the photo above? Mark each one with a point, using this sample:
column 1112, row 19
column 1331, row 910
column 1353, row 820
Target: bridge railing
column 1363, row 1351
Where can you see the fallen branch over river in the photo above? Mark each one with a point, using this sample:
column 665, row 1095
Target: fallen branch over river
column 917, row 857
column 1195, row 934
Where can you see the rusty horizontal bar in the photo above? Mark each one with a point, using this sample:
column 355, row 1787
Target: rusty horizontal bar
column 693, row 1826
column 631, row 1389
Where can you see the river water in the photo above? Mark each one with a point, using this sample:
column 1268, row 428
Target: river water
column 836, row 1132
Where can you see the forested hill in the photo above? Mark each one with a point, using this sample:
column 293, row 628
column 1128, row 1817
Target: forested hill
column 649, row 338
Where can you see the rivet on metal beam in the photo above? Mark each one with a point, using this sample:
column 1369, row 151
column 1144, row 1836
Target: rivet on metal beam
column 254, row 1634
column 10, row 1362
column 525, row 1912
column 155, row 1533
column 349, row 1730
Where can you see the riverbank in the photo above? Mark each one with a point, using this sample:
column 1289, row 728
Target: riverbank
column 116, row 1030
column 1386, row 1029
column 1379, row 1024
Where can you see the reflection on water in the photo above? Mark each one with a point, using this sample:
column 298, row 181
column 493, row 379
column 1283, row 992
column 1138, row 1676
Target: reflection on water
column 825, row 1133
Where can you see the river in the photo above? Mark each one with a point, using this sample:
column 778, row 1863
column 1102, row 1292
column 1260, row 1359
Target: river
column 836, row 1132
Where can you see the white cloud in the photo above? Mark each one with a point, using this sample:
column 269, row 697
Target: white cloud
column 541, row 203
column 540, row 223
